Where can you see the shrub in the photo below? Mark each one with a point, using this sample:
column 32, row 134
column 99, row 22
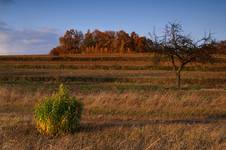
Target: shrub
column 59, row 113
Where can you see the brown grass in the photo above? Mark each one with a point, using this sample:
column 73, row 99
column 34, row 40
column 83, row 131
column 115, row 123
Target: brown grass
column 124, row 108
column 129, row 120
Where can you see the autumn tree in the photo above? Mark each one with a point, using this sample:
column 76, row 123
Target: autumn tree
column 71, row 40
column 123, row 40
column 182, row 50
column 142, row 44
column 98, row 41
column 133, row 41
column 221, row 46
column 110, row 44
column 88, row 41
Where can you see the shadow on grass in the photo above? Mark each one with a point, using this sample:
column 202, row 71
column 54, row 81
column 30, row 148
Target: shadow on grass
column 92, row 126
column 26, row 128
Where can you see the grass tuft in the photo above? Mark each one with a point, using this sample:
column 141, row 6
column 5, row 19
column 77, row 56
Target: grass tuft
column 59, row 113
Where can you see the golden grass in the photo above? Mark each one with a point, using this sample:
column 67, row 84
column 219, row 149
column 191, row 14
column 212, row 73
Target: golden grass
column 130, row 117
column 104, row 136
column 166, row 104
column 129, row 120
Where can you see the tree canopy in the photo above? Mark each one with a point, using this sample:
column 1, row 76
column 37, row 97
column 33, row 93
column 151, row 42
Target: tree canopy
column 75, row 41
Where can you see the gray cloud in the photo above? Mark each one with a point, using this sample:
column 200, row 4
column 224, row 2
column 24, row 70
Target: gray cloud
column 26, row 41
column 2, row 24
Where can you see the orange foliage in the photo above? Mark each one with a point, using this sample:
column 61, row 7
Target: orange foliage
column 97, row 41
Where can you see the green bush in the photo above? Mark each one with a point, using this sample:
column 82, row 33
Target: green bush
column 59, row 113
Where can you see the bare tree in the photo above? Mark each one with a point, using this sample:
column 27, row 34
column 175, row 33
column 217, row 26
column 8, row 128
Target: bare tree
column 181, row 49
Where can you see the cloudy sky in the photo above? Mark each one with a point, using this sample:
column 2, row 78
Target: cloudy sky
column 34, row 26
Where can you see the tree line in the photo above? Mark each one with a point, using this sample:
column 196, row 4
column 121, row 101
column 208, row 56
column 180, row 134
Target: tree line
column 221, row 46
column 179, row 47
column 75, row 41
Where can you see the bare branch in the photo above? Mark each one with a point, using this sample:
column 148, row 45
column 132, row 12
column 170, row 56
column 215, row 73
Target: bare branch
column 181, row 48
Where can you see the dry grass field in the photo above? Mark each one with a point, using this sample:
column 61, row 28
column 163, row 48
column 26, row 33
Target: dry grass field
column 130, row 102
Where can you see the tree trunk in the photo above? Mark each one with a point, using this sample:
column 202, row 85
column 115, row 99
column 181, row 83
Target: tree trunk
column 178, row 80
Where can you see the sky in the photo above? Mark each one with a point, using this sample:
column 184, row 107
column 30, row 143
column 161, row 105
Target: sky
column 34, row 26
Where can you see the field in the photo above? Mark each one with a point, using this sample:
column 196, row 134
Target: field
column 131, row 102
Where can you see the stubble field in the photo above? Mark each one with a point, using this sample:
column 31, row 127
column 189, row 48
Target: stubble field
column 131, row 102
